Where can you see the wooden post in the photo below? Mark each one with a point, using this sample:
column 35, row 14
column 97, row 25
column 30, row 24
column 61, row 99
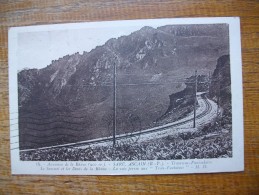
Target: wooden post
column 114, row 104
column 219, row 93
column 195, row 94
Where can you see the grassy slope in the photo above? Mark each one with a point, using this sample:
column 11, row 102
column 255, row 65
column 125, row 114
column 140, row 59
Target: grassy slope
column 198, row 145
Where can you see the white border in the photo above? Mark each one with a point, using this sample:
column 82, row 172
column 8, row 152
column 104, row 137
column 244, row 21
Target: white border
column 236, row 163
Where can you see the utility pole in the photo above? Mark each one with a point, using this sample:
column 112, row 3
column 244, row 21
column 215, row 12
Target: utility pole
column 195, row 101
column 219, row 94
column 114, row 104
column 209, row 82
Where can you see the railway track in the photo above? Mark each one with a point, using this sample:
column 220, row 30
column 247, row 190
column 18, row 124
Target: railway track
column 143, row 132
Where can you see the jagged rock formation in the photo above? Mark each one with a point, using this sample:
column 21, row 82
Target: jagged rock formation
column 182, row 102
column 72, row 98
column 220, row 90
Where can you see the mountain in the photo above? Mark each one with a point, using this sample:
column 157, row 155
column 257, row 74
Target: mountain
column 72, row 98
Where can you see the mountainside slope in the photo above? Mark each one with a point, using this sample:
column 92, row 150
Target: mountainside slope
column 220, row 91
column 72, row 98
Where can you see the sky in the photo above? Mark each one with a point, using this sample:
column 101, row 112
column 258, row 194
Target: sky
column 37, row 46
column 38, row 49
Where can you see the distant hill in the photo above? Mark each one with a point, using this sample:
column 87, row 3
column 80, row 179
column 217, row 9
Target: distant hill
column 72, row 98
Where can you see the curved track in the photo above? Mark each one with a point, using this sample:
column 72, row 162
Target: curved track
column 205, row 112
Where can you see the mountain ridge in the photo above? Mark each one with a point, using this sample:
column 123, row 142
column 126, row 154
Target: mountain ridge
column 148, row 63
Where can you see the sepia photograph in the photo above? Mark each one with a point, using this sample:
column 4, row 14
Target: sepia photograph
column 124, row 92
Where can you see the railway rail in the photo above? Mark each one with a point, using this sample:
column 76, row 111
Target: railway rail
column 138, row 133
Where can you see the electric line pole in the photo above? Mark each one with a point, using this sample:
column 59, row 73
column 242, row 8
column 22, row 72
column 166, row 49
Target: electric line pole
column 195, row 100
column 219, row 94
column 209, row 82
column 114, row 104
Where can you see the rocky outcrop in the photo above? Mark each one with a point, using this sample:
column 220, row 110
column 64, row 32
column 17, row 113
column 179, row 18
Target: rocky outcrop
column 182, row 102
column 220, row 91
column 218, row 88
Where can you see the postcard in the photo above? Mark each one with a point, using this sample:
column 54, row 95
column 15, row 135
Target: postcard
column 134, row 97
